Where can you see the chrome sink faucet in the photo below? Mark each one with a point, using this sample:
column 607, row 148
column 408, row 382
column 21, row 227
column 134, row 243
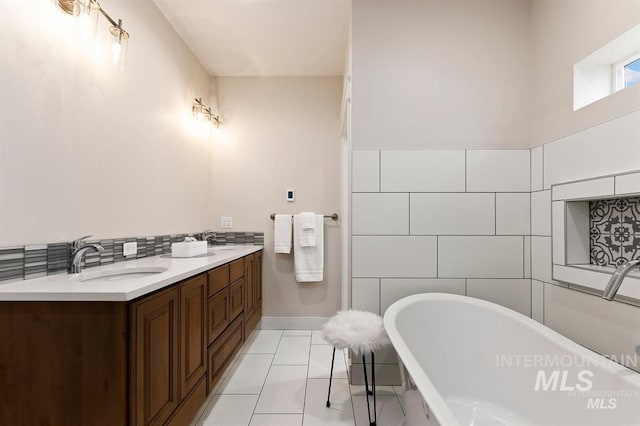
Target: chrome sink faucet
column 77, row 250
column 618, row 276
column 206, row 235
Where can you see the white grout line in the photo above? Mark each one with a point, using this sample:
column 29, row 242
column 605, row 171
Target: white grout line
column 253, row 412
column 306, row 382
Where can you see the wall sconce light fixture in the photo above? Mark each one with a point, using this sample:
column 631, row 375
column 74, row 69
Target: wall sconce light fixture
column 203, row 113
column 119, row 37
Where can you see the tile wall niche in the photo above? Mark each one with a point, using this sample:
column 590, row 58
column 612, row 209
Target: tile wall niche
column 614, row 230
column 34, row 261
column 454, row 221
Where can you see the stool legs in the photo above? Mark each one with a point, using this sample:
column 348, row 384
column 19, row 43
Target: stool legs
column 366, row 385
column 333, row 357
column 373, row 386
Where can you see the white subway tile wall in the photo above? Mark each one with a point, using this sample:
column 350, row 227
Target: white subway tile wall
column 456, row 214
column 541, row 258
column 481, row 257
column 557, row 228
column 584, row 189
column 513, row 213
column 365, row 176
column 608, row 328
column 365, row 294
column 499, row 170
column 392, row 290
column 508, row 261
column 537, row 171
column 425, row 230
column 514, row 294
column 585, row 154
column 380, row 214
column 394, row 256
column 537, row 301
column 527, row 256
column 628, row 184
column 541, row 213
column 422, row 171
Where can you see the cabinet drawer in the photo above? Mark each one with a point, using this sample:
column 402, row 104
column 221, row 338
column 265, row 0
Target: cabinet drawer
column 217, row 314
column 218, row 279
column 221, row 352
column 236, row 270
column 236, row 297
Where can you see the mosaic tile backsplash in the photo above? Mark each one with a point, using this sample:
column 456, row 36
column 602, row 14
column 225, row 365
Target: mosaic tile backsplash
column 33, row 261
column 614, row 228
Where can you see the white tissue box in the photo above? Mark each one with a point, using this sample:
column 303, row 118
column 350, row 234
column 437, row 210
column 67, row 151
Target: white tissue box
column 188, row 249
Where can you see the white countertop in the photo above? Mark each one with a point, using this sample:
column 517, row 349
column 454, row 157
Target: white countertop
column 67, row 287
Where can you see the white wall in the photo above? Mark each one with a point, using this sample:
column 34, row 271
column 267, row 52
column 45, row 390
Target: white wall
column 563, row 33
column 281, row 133
column 87, row 149
column 452, row 74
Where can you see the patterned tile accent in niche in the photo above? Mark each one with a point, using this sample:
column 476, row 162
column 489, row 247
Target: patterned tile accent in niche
column 614, row 229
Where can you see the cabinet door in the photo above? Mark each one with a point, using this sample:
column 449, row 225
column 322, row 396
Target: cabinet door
column 236, row 298
column 218, row 314
column 257, row 278
column 154, row 359
column 193, row 344
column 249, row 293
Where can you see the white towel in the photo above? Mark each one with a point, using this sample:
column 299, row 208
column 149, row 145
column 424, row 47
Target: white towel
column 308, row 261
column 282, row 233
column 307, row 223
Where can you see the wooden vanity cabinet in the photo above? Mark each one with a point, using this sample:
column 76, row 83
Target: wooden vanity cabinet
column 148, row 362
column 253, row 291
column 154, row 358
column 249, row 294
column 168, row 350
column 193, row 337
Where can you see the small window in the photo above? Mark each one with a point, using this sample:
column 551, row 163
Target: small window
column 613, row 67
column 632, row 73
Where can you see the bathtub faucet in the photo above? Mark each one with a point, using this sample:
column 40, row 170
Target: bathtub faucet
column 617, row 278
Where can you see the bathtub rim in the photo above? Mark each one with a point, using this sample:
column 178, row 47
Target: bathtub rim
column 429, row 392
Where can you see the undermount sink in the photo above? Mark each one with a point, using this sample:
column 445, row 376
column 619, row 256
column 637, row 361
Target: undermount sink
column 207, row 254
column 121, row 274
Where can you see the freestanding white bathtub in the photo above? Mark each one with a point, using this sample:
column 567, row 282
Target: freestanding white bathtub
column 471, row 362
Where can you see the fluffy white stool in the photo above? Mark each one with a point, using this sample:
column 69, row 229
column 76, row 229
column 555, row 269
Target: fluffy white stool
column 363, row 333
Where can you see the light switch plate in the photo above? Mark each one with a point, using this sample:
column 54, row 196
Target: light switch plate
column 291, row 195
column 129, row 249
column 226, row 222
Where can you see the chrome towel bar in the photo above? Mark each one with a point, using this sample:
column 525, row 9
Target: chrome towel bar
column 332, row 216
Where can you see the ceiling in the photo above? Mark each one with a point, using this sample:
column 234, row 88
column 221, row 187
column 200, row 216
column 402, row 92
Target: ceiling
column 263, row 37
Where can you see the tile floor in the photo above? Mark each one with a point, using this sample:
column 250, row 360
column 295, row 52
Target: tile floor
column 281, row 377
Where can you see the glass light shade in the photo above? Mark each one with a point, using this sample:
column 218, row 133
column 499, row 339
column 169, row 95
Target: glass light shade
column 87, row 24
column 198, row 112
column 118, row 46
column 67, row 6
